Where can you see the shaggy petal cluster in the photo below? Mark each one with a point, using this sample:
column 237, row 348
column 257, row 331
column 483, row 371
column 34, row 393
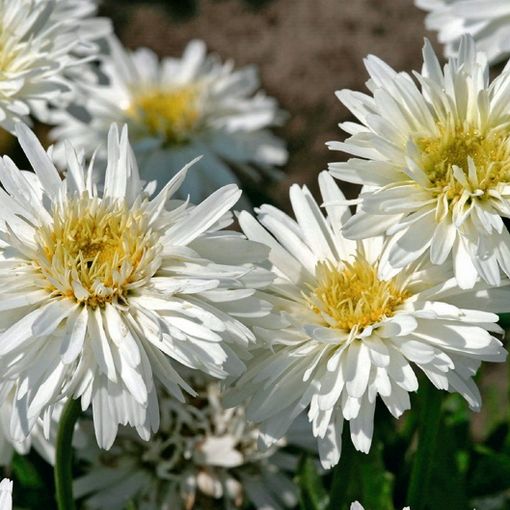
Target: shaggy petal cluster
column 203, row 457
column 5, row 494
column 345, row 336
column 176, row 109
column 434, row 155
column 488, row 21
column 103, row 292
column 40, row 41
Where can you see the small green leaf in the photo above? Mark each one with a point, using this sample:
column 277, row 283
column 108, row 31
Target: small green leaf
column 313, row 493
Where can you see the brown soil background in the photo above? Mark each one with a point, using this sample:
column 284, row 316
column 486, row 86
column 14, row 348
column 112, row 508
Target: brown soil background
column 305, row 50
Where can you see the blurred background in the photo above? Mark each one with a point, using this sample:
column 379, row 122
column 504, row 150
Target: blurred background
column 304, row 50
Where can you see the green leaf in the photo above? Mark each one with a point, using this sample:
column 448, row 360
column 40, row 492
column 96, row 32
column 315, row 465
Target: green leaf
column 312, row 491
column 26, row 473
column 490, row 473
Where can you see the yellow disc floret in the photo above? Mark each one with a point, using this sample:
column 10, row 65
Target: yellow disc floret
column 350, row 295
column 172, row 114
column 490, row 153
column 96, row 250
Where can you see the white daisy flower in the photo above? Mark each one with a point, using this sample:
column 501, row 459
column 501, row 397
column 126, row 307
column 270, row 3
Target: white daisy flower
column 488, row 21
column 177, row 108
column 101, row 293
column 346, row 336
column 435, row 162
column 5, row 494
column 357, row 506
column 41, row 40
column 203, row 457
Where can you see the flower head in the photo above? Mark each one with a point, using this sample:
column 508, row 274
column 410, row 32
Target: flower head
column 345, row 335
column 105, row 291
column 38, row 48
column 487, row 21
column 177, row 108
column 203, row 457
column 436, row 163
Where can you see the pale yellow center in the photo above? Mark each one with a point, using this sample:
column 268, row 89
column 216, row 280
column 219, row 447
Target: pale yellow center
column 490, row 153
column 95, row 251
column 352, row 295
column 172, row 114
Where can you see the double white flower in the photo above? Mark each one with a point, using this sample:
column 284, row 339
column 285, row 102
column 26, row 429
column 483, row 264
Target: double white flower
column 177, row 108
column 103, row 292
column 346, row 336
column 488, row 21
column 41, row 41
column 203, row 456
column 435, row 161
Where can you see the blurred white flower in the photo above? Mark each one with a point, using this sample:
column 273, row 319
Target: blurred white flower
column 101, row 293
column 345, row 335
column 436, row 163
column 5, row 494
column 488, row 21
column 203, row 457
column 40, row 41
column 176, row 109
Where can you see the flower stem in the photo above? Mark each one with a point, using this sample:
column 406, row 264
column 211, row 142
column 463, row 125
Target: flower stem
column 64, row 456
column 428, row 428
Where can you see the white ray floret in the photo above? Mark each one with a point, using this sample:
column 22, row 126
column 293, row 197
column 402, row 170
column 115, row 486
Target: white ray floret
column 104, row 292
column 41, row 42
column 177, row 108
column 435, row 160
column 5, row 494
column 203, row 457
column 346, row 336
column 488, row 21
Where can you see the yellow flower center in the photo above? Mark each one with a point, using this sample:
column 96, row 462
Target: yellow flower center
column 96, row 250
column 172, row 114
column 352, row 295
column 490, row 153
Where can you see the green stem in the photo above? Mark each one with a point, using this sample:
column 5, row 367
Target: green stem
column 428, row 428
column 64, row 456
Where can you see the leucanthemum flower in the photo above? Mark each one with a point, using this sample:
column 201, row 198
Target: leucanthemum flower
column 177, row 108
column 346, row 336
column 488, row 21
column 102, row 293
column 5, row 494
column 203, row 457
column 435, row 161
column 40, row 41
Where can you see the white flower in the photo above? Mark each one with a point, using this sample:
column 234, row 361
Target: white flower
column 101, row 293
column 346, row 336
column 5, row 494
column 488, row 21
column 203, row 457
column 436, row 163
column 357, row 506
column 177, row 108
column 40, row 41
